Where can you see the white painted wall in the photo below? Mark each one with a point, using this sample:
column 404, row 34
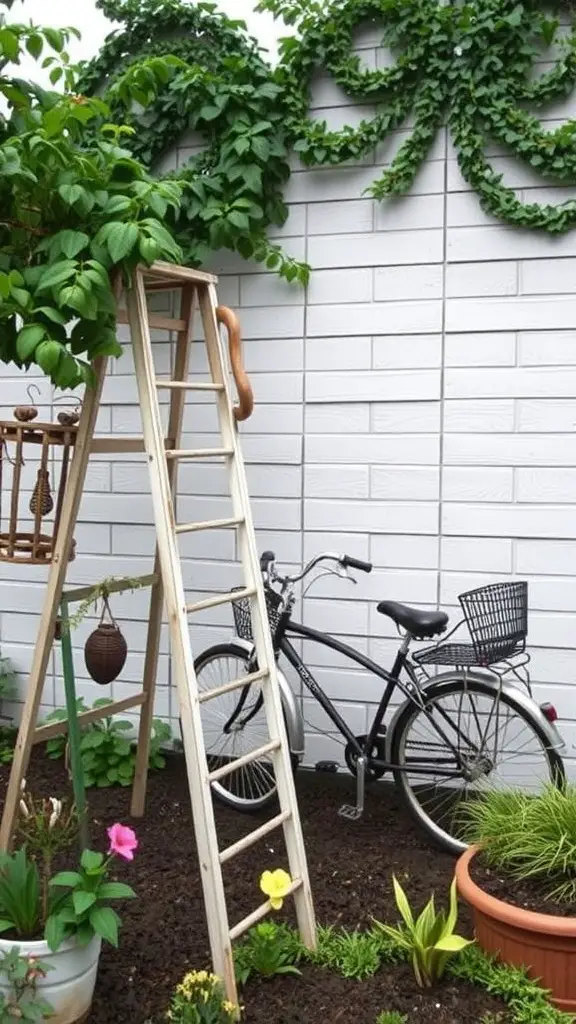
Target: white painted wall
column 416, row 406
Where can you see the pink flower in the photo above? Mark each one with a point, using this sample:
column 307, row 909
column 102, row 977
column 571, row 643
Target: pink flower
column 123, row 841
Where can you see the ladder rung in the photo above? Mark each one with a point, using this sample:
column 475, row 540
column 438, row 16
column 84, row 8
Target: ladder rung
column 236, row 684
column 213, row 602
column 233, row 766
column 184, row 385
column 253, row 837
column 198, row 453
column 209, row 524
column 258, row 914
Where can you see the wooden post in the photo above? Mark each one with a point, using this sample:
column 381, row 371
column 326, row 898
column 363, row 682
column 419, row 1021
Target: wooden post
column 45, row 636
column 177, row 403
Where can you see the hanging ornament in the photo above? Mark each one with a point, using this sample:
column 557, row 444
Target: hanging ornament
column 69, row 417
column 106, row 649
column 41, row 495
column 26, row 413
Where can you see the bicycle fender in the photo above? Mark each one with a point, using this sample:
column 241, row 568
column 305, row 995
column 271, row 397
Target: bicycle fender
column 294, row 720
column 490, row 684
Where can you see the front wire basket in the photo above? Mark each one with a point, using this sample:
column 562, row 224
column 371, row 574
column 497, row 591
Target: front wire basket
column 243, row 615
column 497, row 620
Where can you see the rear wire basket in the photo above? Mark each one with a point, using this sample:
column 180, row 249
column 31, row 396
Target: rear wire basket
column 243, row 616
column 497, row 620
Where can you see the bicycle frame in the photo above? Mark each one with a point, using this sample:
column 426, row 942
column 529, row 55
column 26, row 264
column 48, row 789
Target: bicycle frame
column 391, row 679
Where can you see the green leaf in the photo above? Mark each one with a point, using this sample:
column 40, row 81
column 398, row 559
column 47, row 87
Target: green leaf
column 402, row 903
column 105, row 923
column 239, row 220
column 57, row 274
column 48, row 355
column 70, row 879
column 70, row 243
column 5, row 924
column 452, row 944
column 76, row 298
column 55, row 38
column 115, row 891
column 51, row 314
column 83, row 901
column 35, row 45
column 121, row 240
column 28, row 339
column 91, row 861
column 9, row 45
column 54, row 931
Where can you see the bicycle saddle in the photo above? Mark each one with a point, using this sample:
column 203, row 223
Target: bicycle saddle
column 418, row 623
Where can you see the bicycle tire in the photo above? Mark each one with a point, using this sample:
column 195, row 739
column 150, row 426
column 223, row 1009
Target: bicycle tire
column 223, row 790
column 454, row 686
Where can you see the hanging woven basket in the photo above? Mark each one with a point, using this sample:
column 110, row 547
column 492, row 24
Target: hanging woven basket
column 106, row 649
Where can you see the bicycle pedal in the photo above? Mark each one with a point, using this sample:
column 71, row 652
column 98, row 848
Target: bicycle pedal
column 350, row 812
column 326, row 766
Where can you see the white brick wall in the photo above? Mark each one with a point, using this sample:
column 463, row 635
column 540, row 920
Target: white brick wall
column 415, row 406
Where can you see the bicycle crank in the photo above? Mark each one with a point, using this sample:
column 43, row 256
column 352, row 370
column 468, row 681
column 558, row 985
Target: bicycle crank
column 378, row 752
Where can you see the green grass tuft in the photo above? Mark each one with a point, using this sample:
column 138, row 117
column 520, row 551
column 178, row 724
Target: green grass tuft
column 528, row 836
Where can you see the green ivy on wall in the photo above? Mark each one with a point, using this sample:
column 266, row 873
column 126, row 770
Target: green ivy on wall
column 470, row 66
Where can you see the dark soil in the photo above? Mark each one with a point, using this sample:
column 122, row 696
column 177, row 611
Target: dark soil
column 529, row 893
column 164, row 931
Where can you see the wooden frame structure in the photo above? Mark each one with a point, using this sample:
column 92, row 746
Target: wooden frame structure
column 164, row 455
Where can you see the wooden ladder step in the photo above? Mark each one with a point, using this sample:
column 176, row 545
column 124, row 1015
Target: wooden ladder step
column 209, row 524
column 254, row 837
column 236, row 684
column 198, row 453
column 213, row 602
column 240, row 762
column 258, row 914
column 184, row 385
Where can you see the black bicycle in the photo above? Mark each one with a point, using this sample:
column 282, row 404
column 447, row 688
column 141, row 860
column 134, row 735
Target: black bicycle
column 452, row 735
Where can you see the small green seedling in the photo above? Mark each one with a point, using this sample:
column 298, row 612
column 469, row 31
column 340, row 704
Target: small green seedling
column 429, row 939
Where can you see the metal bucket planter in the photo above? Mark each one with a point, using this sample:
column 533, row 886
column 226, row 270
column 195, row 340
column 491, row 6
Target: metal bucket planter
column 69, row 986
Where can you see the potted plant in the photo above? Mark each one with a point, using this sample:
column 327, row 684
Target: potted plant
column 60, row 919
column 519, row 878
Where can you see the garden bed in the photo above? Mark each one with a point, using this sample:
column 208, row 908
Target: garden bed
column 164, row 932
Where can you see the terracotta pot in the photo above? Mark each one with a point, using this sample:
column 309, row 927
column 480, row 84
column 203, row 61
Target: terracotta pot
column 543, row 943
column 105, row 653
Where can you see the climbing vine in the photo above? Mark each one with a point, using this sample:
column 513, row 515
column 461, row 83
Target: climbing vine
column 465, row 64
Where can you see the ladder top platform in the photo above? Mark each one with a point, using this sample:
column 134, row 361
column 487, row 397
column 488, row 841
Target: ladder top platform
column 166, row 276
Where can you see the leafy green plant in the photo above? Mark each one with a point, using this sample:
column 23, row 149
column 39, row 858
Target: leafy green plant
column 77, row 210
column 22, row 1002
column 429, row 938
column 8, row 734
column 200, row 999
column 46, row 828
column 70, row 904
column 268, row 949
column 108, row 756
column 355, row 954
column 528, row 836
column 391, row 1017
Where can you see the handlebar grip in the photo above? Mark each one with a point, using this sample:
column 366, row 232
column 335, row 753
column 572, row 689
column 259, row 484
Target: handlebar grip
column 356, row 563
column 265, row 558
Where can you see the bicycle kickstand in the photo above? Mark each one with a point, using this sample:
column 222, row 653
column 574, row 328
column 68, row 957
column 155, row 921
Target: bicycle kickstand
column 355, row 811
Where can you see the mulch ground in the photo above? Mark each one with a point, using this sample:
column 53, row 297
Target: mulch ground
column 527, row 893
column 164, row 931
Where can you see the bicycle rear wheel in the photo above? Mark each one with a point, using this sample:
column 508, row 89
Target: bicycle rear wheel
column 487, row 737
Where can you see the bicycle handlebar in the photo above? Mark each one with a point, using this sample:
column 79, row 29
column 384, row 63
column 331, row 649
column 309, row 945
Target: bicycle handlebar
column 268, row 558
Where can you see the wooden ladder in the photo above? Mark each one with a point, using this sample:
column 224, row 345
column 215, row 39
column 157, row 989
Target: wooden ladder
column 164, row 456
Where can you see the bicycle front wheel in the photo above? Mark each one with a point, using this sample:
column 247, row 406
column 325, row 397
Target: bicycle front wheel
column 467, row 737
column 233, row 724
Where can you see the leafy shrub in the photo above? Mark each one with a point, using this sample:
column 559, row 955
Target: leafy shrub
column 353, row 954
column 200, row 999
column 391, row 1017
column 429, row 939
column 268, row 949
column 108, row 757
column 528, row 836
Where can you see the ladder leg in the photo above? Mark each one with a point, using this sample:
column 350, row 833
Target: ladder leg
column 197, row 769
column 56, row 579
column 176, row 416
column 265, row 653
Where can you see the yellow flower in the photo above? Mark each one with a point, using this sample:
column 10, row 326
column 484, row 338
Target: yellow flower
column 276, row 885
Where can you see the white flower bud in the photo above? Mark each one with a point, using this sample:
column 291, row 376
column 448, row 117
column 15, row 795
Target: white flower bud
column 56, row 811
column 24, row 809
